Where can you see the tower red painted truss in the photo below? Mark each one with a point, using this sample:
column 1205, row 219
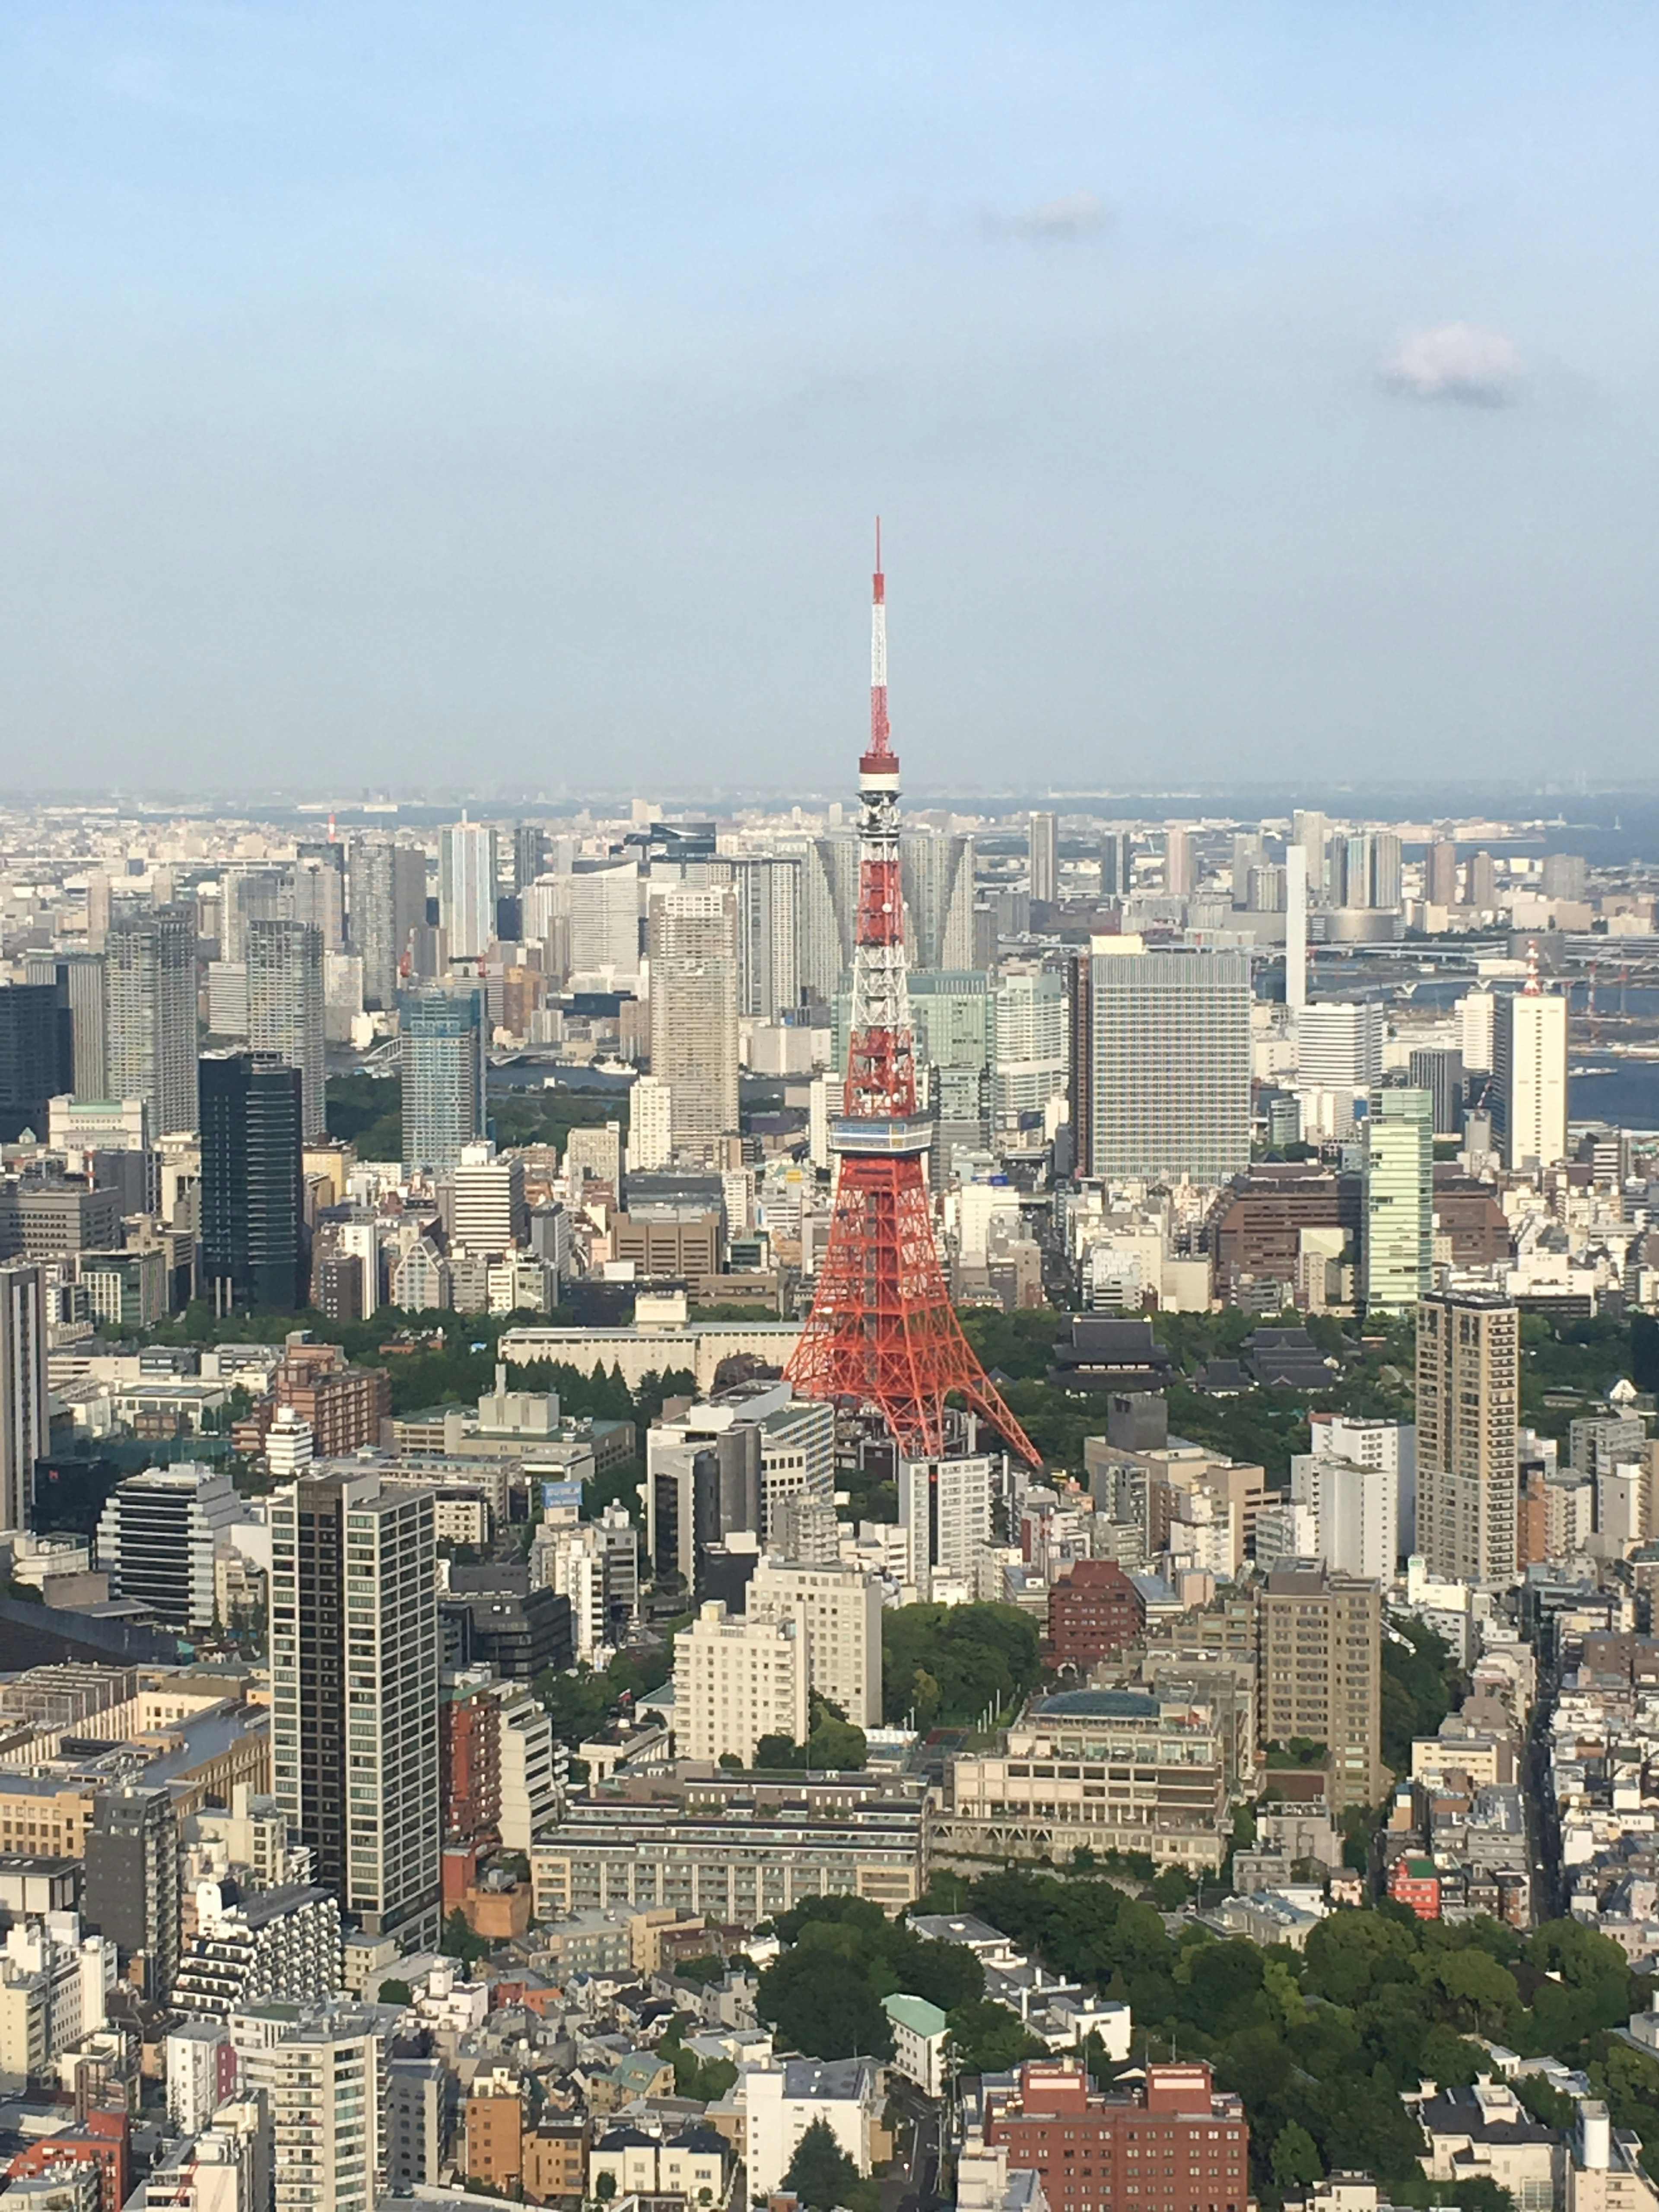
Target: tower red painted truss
column 883, row 1335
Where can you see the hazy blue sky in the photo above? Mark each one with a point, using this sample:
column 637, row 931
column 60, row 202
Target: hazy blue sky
column 499, row 392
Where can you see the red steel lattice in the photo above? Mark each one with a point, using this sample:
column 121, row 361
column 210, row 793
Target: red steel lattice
column 882, row 1333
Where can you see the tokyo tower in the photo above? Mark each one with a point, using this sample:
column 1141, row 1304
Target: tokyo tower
column 883, row 1335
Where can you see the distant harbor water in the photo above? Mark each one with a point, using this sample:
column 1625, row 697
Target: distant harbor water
column 1625, row 1092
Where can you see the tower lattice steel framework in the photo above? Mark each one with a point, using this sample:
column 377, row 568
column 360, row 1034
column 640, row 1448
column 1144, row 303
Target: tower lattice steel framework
column 882, row 1333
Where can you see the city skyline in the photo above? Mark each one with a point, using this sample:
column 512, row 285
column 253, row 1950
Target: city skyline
column 386, row 401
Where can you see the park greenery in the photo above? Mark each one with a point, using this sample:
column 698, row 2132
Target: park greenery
column 833, row 1746
column 823, row 1994
column 1319, row 2045
column 951, row 1664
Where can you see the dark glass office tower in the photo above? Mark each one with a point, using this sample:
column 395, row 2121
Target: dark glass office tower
column 37, row 1060
column 253, row 1238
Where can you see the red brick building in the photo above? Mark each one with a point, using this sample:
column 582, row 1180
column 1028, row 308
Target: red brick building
column 1094, row 1610
column 1415, row 1882
column 344, row 1406
column 469, row 1761
column 1177, row 2145
column 101, row 2141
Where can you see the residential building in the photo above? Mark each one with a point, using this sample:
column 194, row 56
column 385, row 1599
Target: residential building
column 837, row 1610
column 129, row 1889
column 694, row 1015
column 321, row 2078
column 1321, row 1673
column 1387, row 1448
column 1116, row 863
column 488, row 1212
column 1485, row 2133
column 650, row 1125
column 255, row 1247
column 1143, row 1770
column 946, row 1504
column 344, row 1407
column 420, row 2107
column 1397, row 1254
column 354, row 1645
column 24, row 1419
column 1113, row 2137
column 150, row 1025
column 201, row 2072
column 387, row 885
column 737, row 1681
column 492, row 2118
column 783, row 2099
column 1529, row 1079
column 1094, row 1610
column 281, row 1943
column 1166, row 1061
column 767, row 888
column 466, row 888
column 595, row 1565
column 1356, row 1513
column 442, row 1059
column 1467, row 1416
column 1604, row 2170
column 920, row 2032
column 156, row 1538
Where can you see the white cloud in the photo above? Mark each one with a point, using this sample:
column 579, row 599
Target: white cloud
column 1456, row 362
column 1073, row 215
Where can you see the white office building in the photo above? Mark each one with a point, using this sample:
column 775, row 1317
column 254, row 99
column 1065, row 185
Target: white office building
column 945, row 1506
column 466, row 888
column 1339, row 1045
column 1530, row 1080
column 1356, row 1513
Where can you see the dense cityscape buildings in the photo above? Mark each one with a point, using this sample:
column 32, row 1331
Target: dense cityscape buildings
column 514, row 1482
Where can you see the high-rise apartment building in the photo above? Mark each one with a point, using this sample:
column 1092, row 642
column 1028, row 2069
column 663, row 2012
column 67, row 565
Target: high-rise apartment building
column 1477, row 1023
column 1312, row 831
column 1339, row 1044
column 1177, row 861
column 1116, row 863
column 354, row 1730
column 736, row 1681
column 1320, row 1668
column 24, row 1431
column 442, row 1058
column 466, row 888
column 1529, row 1079
column 838, row 1610
column 1480, row 884
column 1030, row 1041
column 767, row 891
column 1468, row 1401
column 1167, row 1064
column 321, row 2077
column 129, row 1890
column 945, row 1506
column 1355, row 1513
column 650, row 1125
column 1440, row 873
column 1387, row 1449
column 529, row 854
column 1441, row 1074
column 285, row 1006
column 255, row 1250
column 387, row 883
column 1397, row 1252
column 694, row 1014
column 37, row 1060
column 1043, row 852
column 149, row 1038
column 936, row 880
column 1295, row 932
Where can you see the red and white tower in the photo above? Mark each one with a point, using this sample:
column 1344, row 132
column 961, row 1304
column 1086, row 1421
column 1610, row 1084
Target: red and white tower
column 883, row 1335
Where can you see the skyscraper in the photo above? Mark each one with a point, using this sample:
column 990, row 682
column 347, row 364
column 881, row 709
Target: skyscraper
column 1385, row 877
column 388, row 899
column 1116, row 863
column 1043, row 849
column 1529, row 1078
column 442, row 1058
column 1168, row 1060
column 149, row 1038
column 466, row 888
column 767, row 895
column 1398, row 1254
column 529, row 856
column 36, row 1055
column 1440, row 873
column 254, row 1252
column 24, row 1433
column 83, row 975
column 1296, row 930
column 936, row 876
column 1177, row 860
column 1481, row 882
column 1468, row 1400
column 694, row 1013
column 132, row 1879
column 1340, row 1044
column 285, row 1006
column 1441, row 1074
column 354, row 1731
